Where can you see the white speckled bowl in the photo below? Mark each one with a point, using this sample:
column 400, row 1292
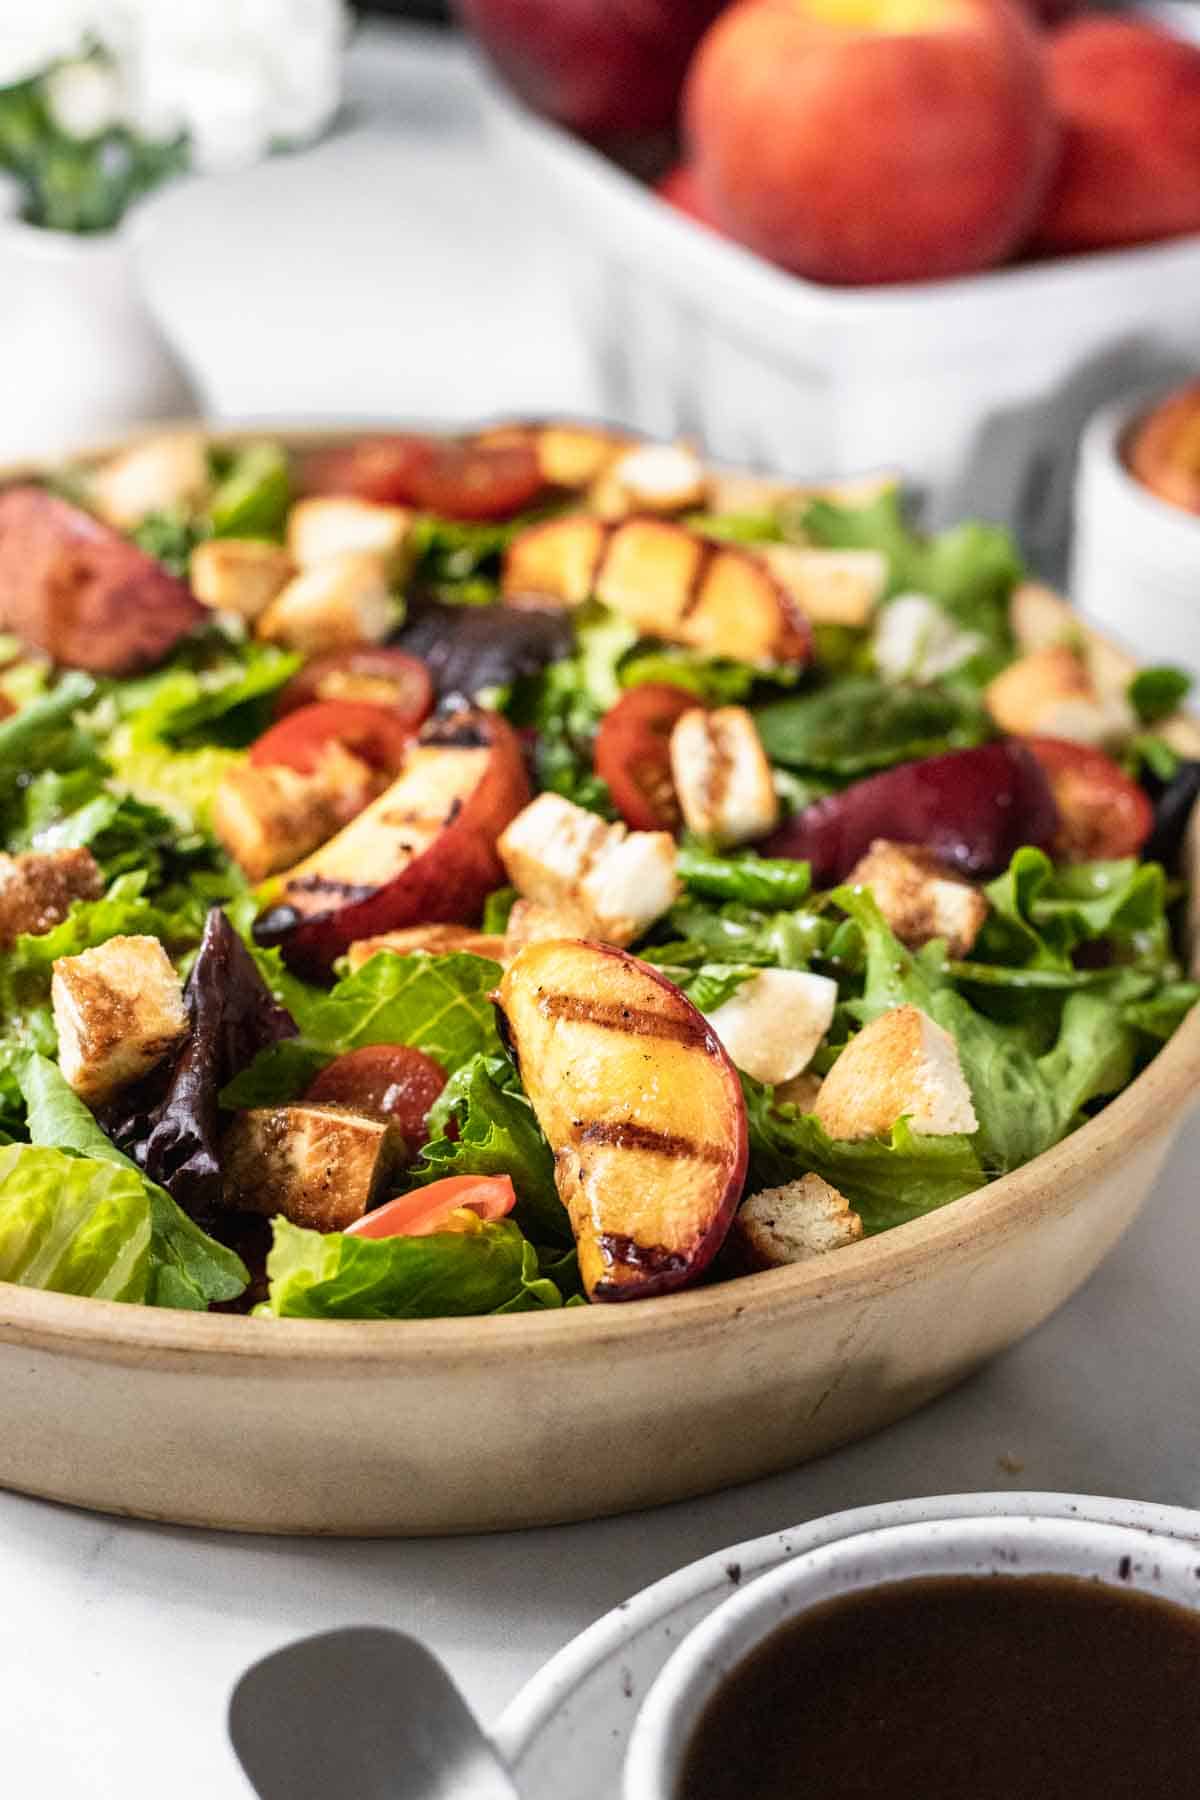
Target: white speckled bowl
column 1115, row 1555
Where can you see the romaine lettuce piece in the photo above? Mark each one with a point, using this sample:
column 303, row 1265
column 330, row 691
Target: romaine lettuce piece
column 253, row 493
column 485, row 1269
column 72, row 1226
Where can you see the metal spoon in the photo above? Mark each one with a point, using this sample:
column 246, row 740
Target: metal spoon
column 360, row 1714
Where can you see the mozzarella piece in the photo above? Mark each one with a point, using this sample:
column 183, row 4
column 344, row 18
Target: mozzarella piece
column 920, row 899
column 792, row 1224
column 239, row 575
column 320, row 1166
column 118, row 1009
column 722, row 776
column 901, row 1065
column 37, row 890
column 614, row 882
column 657, row 478
column 831, row 587
column 342, row 601
column 771, row 1027
column 917, row 640
column 1051, row 693
column 332, row 525
column 154, row 476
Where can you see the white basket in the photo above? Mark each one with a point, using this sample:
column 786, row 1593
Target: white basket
column 978, row 387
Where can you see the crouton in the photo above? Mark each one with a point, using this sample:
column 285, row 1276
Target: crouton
column 342, row 601
column 801, row 1091
column 270, row 816
column 831, row 587
column 615, row 882
column 435, row 940
column 531, row 923
column 1051, row 693
column 792, row 1224
column 119, row 1010
column 654, row 478
column 722, row 776
column 1041, row 619
column 901, row 1065
column 919, row 897
column 337, row 525
column 155, row 476
column 239, row 575
column 38, row 889
column 771, row 1027
column 320, row 1166
column 917, row 640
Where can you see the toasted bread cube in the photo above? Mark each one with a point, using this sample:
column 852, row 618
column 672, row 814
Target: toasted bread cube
column 573, row 456
column 529, row 922
column 433, row 940
column 38, row 889
column 917, row 640
column 320, row 1166
column 900, row 1066
column 654, row 478
column 801, row 1091
column 612, row 882
column 239, row 575
column 1051, row 693
column 269, row 817
column 831, row 587
column 774, row 1023
column 119, row 1010
column 334, row 525
column 722, row 776
column 919, row 897
column 154, row 476
column 342, row 601
column 792, row 1224
column 1040, row 618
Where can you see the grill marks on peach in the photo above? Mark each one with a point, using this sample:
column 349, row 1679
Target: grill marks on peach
column 632, row 1021
column 627, row 1134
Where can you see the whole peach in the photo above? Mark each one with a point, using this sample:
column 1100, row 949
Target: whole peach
column 863, row 141
column 1128, row 95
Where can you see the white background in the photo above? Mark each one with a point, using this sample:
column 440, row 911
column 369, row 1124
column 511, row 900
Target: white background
column 119, row 1642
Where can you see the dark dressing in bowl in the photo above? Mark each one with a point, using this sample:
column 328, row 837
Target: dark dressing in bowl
column 961, row 1688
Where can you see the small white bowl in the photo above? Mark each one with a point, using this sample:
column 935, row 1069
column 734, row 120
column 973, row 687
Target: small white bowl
column 1136, row 561
column 1117, row 1556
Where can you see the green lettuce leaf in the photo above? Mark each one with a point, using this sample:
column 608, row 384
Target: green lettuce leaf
column 739, row 934
column 70, row 1226
column 186, row 1269
column 253, row 492
column 438, row 1004
column 778, row 882
column 1040, row 914
column 451, row 1275
column 861, row 723
column 887, row 1180
column 497, row 1134
column 212, row 690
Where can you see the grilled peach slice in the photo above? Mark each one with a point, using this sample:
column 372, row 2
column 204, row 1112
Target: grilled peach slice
column 641, row 1106
column 423, row 853
column 75, row 589
column 669, row 581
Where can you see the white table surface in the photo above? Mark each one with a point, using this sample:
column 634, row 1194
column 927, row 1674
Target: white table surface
column 119, row 1642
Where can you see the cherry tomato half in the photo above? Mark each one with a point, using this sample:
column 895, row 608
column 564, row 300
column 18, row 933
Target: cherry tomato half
column 432, row 1208
column 370, row 676
column 374, row 733
column 1102, row 813
column 633, row 754
column 456, row 478
column 385, row 1081
column 373, row 468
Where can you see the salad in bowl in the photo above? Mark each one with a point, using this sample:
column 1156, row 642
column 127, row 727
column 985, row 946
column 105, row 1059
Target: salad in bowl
column 533, row 869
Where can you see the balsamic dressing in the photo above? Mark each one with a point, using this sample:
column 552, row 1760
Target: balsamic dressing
column 961, row 1688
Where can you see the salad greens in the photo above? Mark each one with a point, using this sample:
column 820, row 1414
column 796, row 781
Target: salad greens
column 1066, row 983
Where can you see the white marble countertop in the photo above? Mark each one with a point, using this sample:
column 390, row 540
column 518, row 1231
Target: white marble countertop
column 119, row 1642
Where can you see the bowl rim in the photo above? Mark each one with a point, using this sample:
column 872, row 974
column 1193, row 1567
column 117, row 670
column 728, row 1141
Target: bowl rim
column 1158, row 1100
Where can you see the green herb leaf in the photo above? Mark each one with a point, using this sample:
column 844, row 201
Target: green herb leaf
column 1156, row 693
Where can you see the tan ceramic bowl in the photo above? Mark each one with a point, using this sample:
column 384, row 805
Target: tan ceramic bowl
column 362, row 1429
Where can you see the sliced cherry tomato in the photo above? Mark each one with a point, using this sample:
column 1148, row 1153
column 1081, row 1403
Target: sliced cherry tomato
column 1102, row 813
column 633, row 754
column 478, row 481
column 430, row 1209
column 374, row 468
column 374, row 733
column 370, row 676
column 386, row 1081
